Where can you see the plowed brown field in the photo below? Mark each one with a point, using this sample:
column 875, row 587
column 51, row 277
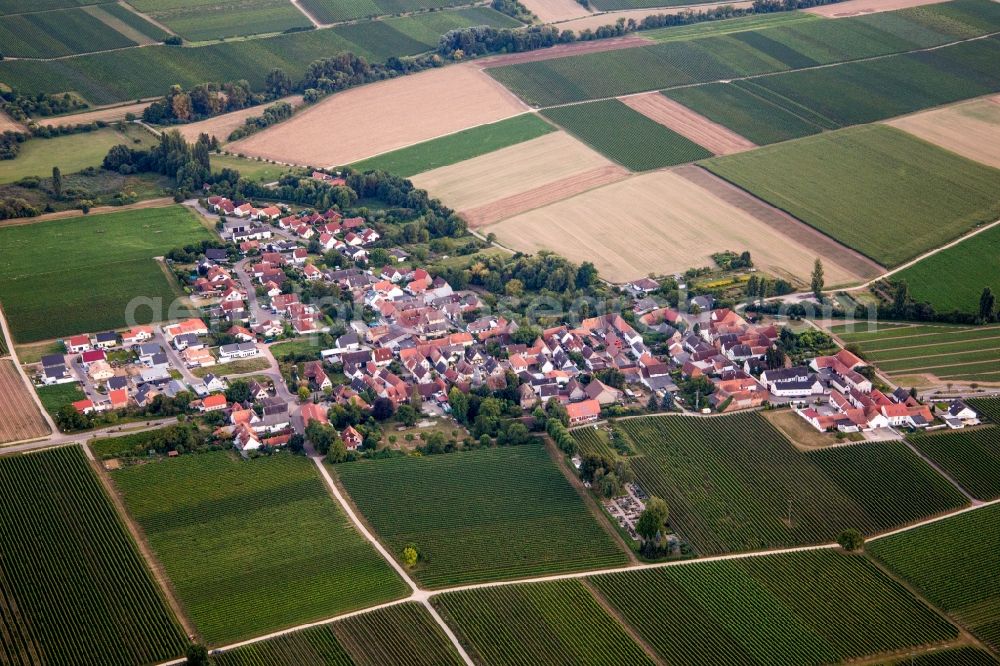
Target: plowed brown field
column 549, row 11
column 856, row 7
column 674, row 115
column 563, row 50
column 19, row 415
column 595, row 21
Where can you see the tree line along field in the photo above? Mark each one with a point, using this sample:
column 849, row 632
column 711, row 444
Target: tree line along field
column 400, row 635
column 556, row 622
column 784, row 47
column 625, row 135
column 970, row 457
column 105, row 78
column 840, row 182
column 733, row 482
column 75, row 587
column 104, row 261
column 950, row 353
column 458, row 147
column 954, row 278
column 62, row 32
column 252, row 546
column 199, row 20
column 813, row 607
column 952, row 563
column 490, row 514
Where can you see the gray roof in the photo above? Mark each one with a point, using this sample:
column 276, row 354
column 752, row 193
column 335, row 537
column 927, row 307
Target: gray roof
column 53, row 360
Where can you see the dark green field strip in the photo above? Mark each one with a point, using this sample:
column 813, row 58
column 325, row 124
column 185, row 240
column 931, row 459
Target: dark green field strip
column 625, row 135
column 104, row 78
column 928, row 338
column 954, row 278
column 931, row 351
column 772, row 610
column 970, row 457
column 718, row 57
column 57, row 33
column 953, row 563
column 400, row 6
column 871, row 327
column 456, row 508
column 402, row 635
column 205, row 22
column 838, row 182
column 986, row 371
column 20, row 7
column 988, row 407
column 335, row 11
column 269, row 521
column 134, row 20
column 725, row 495
column 593, row 441
column 944, row 360
column 566, row 626
column 457, row 147
column 428, row 28
column 727, row 26
column 75, row 589
column 887, row 331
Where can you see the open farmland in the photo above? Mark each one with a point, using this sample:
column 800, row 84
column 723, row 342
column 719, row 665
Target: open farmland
column 517, row 178
column 711, row 136
column 394, row 114
column 595, row 21
column 119, row 76
column 962, row 656
column 71, row 153
column 456, row 508
column 839, row 182
column 401, row 635
column 953, row 279
column 971, row 129
column 772, row 610
column 75, row 587
column 198, row 20
column 660, row 223
column 567, row 626
column 734, row 483
column 253, row 545
column 549, row 11
column 19, row 415
column 135, row 26
column 951, row 562
column 458, row 147
column 947, row 353
column 970, row 457
column 63, row 32
column 988, row 407
column 105, row 261
column 625, row 135
column 858, row 7
column 223, row 125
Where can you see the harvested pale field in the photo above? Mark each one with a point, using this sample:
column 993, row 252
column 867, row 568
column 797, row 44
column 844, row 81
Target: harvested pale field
column 657, row 223
column 696, row 127
column 508, row 172
column 858, row 7
column 376, row 118
column 19, row 415
column 222, row 126
column 564, row 50
column 550, row 11
column 8, row 124
column 971, row 129
column 595, row 21
column 108, row 114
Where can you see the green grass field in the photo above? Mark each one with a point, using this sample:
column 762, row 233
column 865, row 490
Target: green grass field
column 135, row 21
column 772, row 610
column 566, row 626
column 56, row 397
column 104, row 261
column 970, row 457
column 75, row 588
column 947, row 562
column 839, row 182
column 402, row 635
column 63, row 32
column 335, row 11
column 951, row 353
column 457, row 147
column 727, row 26
column 200, row 20
column 626, row 136
column 458, row 508
column 954, row 278
column 732, row 482
column 252, row 546
column 71, row 153
column 262, row 172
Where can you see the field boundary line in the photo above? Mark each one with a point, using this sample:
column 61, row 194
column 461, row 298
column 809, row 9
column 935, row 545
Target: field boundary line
column 302, row 10
column 972, row 500
column 615, row 615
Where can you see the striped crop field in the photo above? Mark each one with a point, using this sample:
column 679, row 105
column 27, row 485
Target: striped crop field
column 253, row 546
column 401, row 635
column 735, row 483
column 777, row 609
column 75, row 589
column 953, row 563
column 538, row 623
column 988, row 407
column 971, row 457
column 457, row 509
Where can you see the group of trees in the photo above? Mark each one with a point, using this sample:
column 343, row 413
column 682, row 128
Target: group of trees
column 896, row 302
column 202, row 101
column 606, row 476
column 536, row 273
column 189, row 164
column 21, row 107
column 272, row 115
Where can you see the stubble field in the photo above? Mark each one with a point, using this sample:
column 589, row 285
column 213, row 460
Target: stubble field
column 19, row 416
column 716, row 138
column 222, row 126
column 971, row 129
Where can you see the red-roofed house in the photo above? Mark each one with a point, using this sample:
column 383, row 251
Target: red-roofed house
column 77, row 344
column 584, row 411
column 352, row 438
column 214, row 403
column 312, row 412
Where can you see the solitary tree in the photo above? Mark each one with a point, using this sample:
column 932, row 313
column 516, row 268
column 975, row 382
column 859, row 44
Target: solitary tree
column 197, row 655
column 851, row 540
column 410, row 556
column 653, row 517
column 987, row 303
column 57, row 183
column 817, row 280
column 901, row 297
